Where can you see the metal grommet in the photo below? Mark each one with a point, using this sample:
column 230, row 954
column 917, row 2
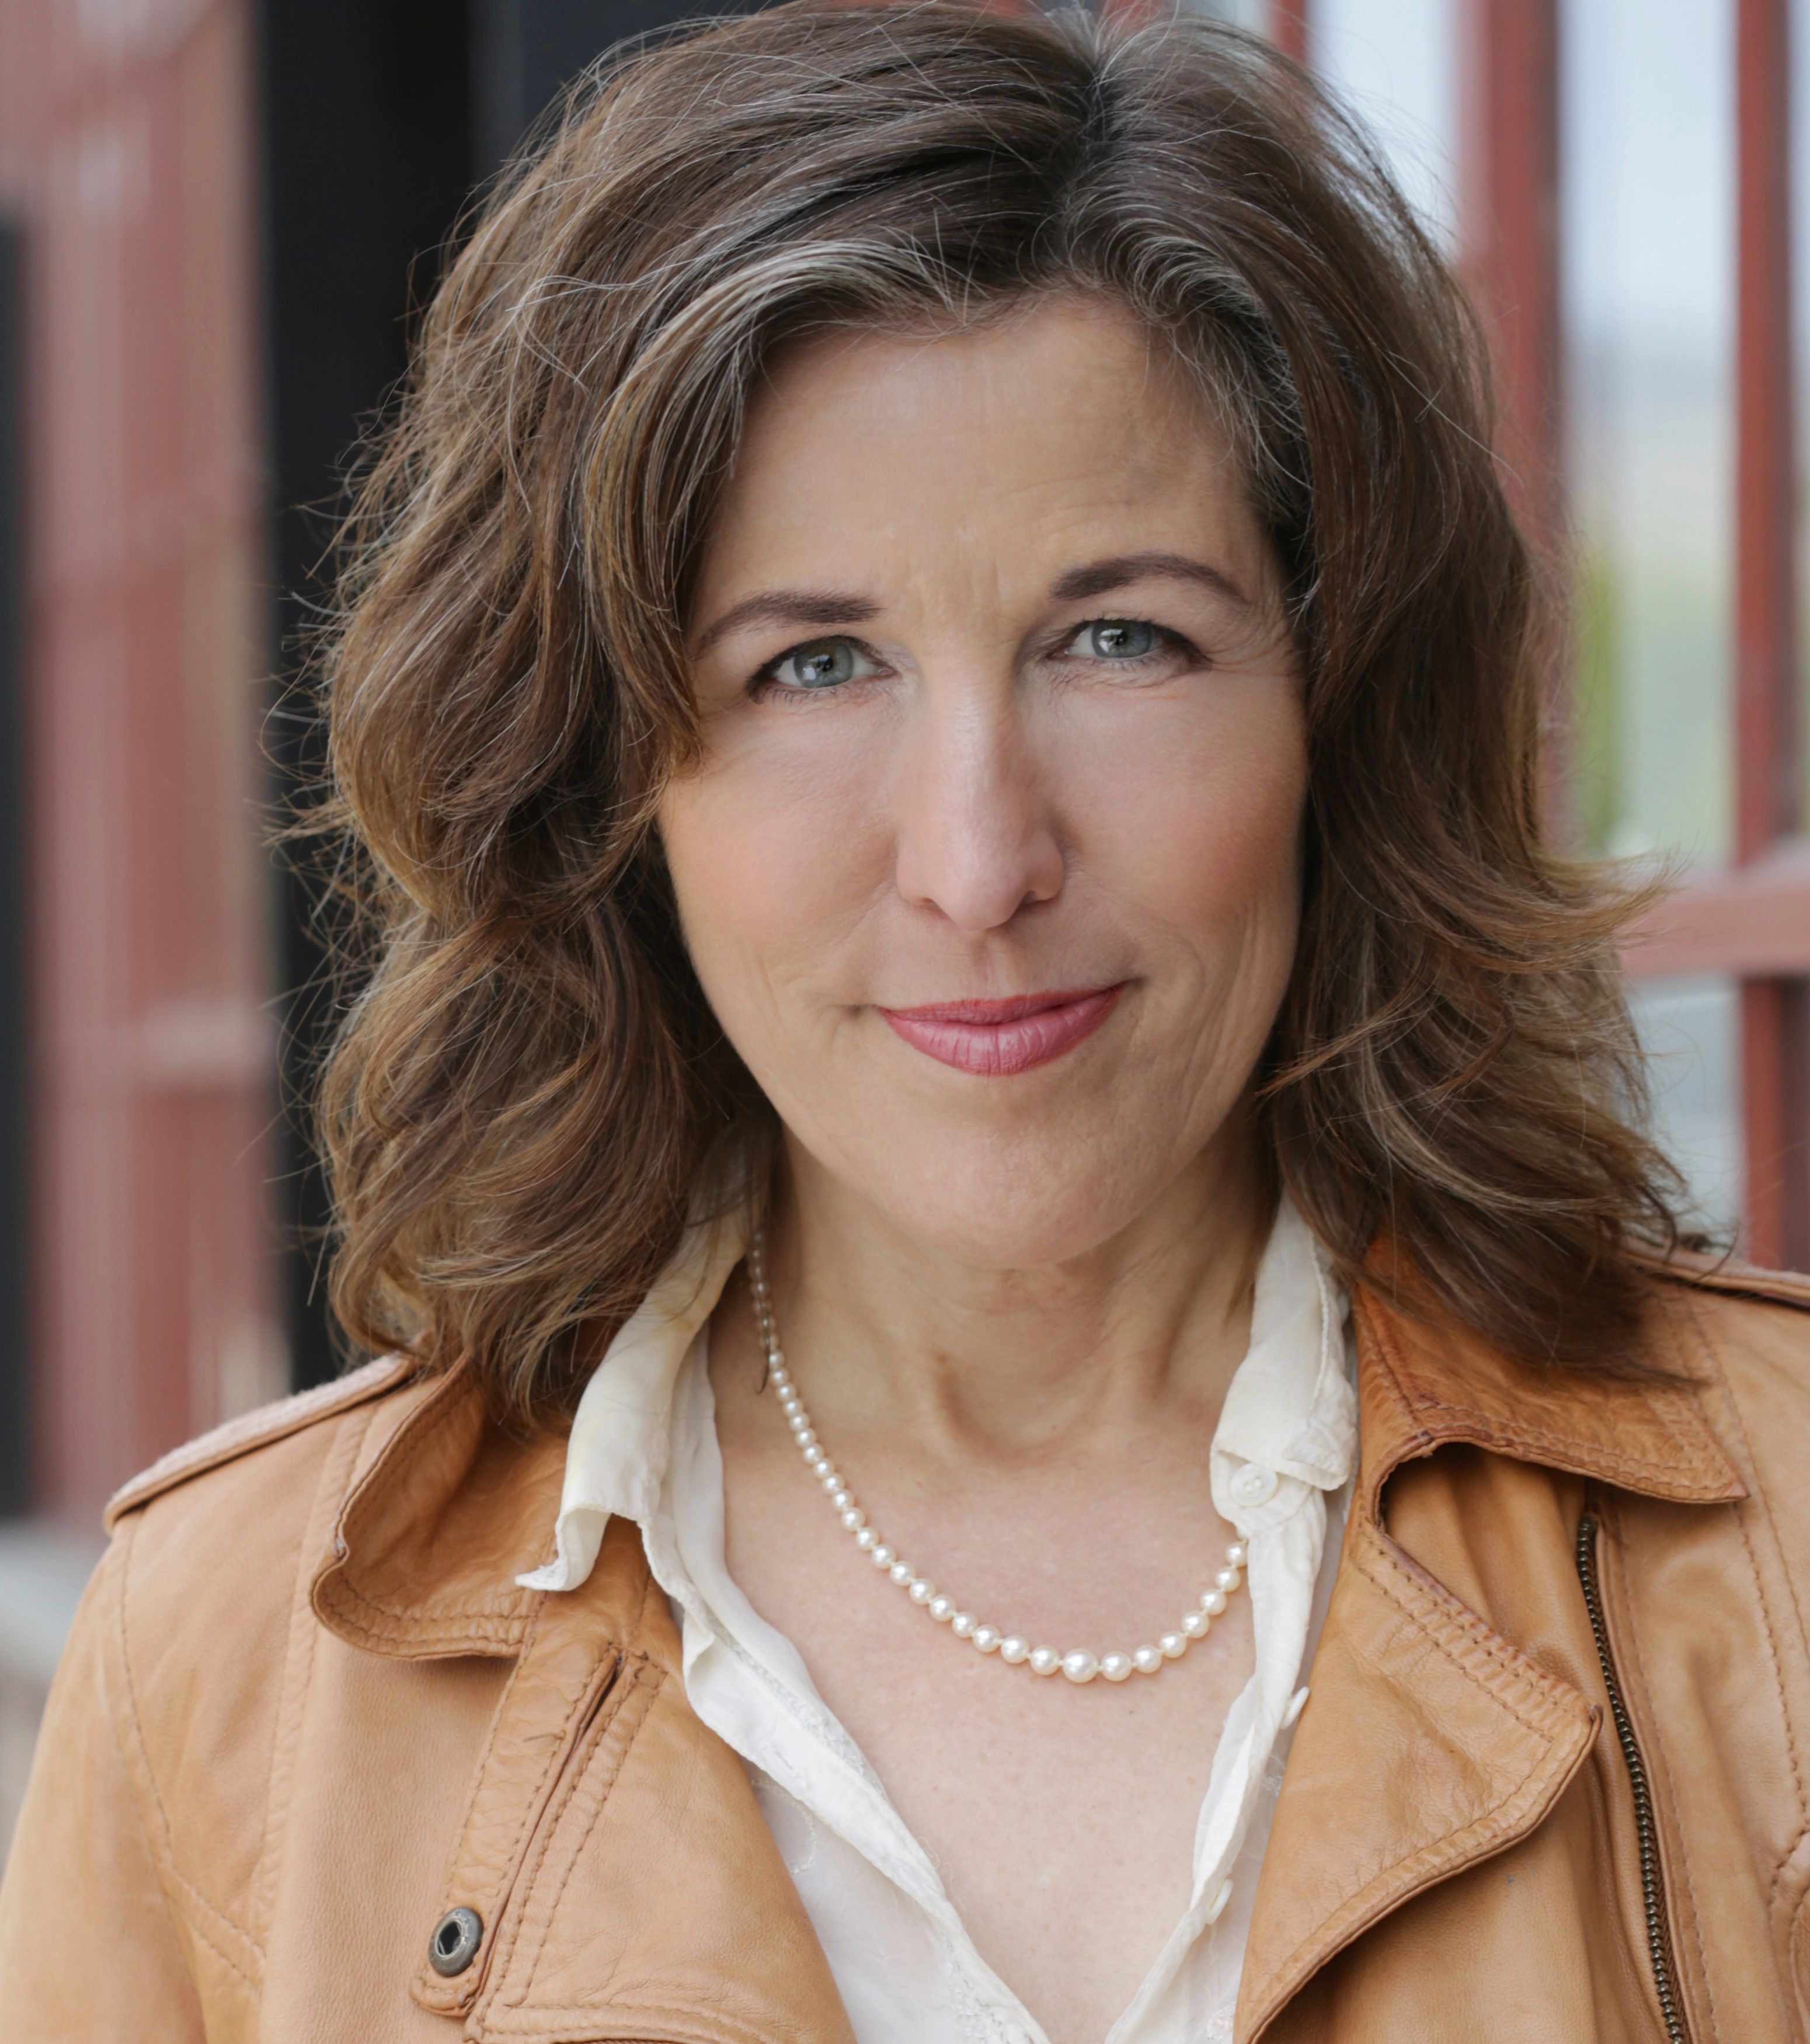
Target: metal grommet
column 454, row 1942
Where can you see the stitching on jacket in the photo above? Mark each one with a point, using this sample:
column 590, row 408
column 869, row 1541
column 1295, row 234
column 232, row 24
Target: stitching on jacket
column 450, row 1995
column 1419, row 1868
column 299, row 1662
column 671, row 2023
column 642, row 1674
column 115, row 1624
column 269, row 1424
column 1481, row 1640
column 225, row 1957
column 1406, row 1876
column 528, row 1805
column 633, row 1668
column 1756, row 1497
column 161, row 1847
column 363, row 1503
column 1663, row 1774
column 1418, row 1405
column 347, row 1606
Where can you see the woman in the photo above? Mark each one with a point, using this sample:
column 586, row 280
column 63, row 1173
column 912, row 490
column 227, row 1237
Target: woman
column 1039, row 1384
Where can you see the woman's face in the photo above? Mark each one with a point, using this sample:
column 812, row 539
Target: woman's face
column 990, row 868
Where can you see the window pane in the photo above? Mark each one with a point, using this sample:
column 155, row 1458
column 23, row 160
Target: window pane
column 1648, row 228
column 1691, row 1028
column 1395, row 62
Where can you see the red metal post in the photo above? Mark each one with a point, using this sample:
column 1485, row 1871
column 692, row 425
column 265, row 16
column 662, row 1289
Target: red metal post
column 127, row 151
column 1775, row 1030
column 1291, row 27
column 1509, row 182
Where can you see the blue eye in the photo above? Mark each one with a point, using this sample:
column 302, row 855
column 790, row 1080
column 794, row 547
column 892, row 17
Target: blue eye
column 825, row 663
column 1118, row 639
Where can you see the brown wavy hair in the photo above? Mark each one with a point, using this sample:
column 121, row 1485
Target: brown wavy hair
column 519, row 1102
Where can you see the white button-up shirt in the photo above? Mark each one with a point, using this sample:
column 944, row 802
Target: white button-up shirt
column 644, row 1446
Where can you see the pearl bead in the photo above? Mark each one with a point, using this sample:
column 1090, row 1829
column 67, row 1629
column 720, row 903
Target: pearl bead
column 1079, row 1665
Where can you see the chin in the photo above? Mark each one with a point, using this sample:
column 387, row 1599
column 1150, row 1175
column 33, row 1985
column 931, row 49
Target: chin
column 1025, row 1206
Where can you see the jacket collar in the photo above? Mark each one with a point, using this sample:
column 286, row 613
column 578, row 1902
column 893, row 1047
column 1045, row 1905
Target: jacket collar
column 445, row 1512
column 1438, row 1742
column 1467, row 1741
column 1425, row 1382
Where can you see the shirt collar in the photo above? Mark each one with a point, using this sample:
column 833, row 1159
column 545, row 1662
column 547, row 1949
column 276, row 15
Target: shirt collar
column 1290, row 1415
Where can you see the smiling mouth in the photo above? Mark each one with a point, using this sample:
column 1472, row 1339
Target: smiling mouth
column 997, row 1038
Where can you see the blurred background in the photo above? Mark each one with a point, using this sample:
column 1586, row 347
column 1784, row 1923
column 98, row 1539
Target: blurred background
column 216, row 217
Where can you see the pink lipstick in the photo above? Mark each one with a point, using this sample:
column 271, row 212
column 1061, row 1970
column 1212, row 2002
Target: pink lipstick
column 995, row 1038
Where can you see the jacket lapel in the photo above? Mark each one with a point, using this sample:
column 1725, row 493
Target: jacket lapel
column 1432, row 1742
column 611, row 1848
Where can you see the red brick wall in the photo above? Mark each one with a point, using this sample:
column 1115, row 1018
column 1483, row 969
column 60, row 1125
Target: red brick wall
column 126, row 147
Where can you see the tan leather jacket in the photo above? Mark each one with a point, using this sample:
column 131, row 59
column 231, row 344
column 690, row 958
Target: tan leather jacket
column 1551, row 1785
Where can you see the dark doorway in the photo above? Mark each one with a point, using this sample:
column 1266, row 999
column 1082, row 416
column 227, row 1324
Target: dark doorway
column 366, row 119
column 379, row 118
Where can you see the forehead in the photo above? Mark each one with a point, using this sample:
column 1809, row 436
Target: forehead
column 1061, row 426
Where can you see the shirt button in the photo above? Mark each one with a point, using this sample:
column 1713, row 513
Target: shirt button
column 1253, row 1484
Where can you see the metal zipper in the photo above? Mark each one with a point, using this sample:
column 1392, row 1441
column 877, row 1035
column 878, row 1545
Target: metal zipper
column 1652, row 1888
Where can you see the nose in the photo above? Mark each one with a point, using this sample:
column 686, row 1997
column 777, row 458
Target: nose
column 976, row 835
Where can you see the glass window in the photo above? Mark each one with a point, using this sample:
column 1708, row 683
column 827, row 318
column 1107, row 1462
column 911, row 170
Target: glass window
column 1395, row 63
column 1691, row 1028
column 1647, row 220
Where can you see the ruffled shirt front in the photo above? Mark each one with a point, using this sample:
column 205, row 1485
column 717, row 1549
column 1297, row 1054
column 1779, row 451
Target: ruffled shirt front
column 644, row 1446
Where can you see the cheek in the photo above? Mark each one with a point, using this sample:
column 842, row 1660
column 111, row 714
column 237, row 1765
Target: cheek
column 1195, row 820
column 770, row 870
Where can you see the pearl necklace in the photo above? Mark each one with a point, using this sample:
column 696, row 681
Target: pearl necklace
column 1077, row 1664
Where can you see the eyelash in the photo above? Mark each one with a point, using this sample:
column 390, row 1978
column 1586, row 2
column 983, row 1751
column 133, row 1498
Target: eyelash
column 764, row 688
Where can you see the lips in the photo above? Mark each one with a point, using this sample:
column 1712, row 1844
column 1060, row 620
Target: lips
column 997, row 1038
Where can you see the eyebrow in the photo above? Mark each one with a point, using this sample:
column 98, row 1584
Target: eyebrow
column 1100, row 577
column 825, row 607
column 787, row 606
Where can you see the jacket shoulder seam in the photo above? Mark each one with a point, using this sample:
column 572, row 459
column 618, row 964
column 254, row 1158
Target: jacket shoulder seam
column 214, row 1929
column 256, row 1429
column 1736, row 1280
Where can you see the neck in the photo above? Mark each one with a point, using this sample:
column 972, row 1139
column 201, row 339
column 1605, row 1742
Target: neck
column 884, row 1331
